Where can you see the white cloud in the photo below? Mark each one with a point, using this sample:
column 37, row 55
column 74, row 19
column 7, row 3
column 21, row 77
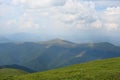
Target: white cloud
column 28, row 25
column 18, row 1
column 32, row 3
column 111, row 18
column 96, row 24
column 22, row 24
column 4, row 9
column 113, row 10
column 11, row 22
column 74, row 13
column 111, row 26
column 65, row 15
column 106, row 3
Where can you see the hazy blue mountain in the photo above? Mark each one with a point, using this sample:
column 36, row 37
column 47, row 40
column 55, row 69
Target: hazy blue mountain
column 4, row 39
column 54, row 53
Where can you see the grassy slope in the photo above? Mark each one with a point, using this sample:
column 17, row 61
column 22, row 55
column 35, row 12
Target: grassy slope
column 7, row 73
column 108, row 69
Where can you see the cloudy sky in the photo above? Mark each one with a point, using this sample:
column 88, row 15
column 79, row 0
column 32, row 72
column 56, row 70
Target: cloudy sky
column 71, row 19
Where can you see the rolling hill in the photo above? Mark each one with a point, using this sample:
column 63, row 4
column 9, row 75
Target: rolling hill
column 19, row 67
column 7, row 73
column 54, row 53
column 108, row 69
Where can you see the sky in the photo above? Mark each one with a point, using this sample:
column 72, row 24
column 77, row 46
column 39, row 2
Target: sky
column 78, row 20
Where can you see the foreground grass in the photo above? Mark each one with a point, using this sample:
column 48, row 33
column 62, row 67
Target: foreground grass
column 108, row 69
column 6, row 73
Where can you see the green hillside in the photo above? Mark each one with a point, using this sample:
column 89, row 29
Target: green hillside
column 7, row 73
column 108, row 69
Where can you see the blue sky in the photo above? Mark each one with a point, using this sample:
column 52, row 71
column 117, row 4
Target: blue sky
column 69, row 19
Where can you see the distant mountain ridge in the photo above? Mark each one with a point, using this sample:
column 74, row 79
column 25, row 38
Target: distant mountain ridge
column 54, row 53
column 4, row 39
column 57, row 41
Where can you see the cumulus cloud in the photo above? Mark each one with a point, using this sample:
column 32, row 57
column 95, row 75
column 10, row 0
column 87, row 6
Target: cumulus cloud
column 111, row 18
column 111, row 26
column 76, row 13
column 38, row 3
column 96, row 24
column 4, row 9
column 71, row 12
column 62, row 17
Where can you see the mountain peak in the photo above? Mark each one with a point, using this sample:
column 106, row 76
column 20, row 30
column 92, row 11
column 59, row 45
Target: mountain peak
column 57, row 41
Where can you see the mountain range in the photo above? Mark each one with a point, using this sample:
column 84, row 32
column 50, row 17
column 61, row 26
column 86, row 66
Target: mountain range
column 40, row 56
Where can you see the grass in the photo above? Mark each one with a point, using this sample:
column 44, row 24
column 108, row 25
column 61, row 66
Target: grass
column 6, row 73
column 108, row 69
